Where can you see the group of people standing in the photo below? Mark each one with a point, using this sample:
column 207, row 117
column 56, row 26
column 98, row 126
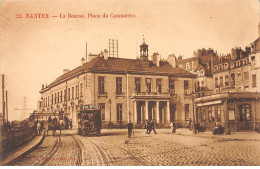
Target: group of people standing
column 150, row 127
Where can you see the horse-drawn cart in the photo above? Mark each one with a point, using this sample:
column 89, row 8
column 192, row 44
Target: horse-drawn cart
column 51, row 121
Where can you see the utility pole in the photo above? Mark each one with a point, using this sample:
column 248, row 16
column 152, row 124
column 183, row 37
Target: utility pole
column 3, row 94
column 86, row 52
column 6, row 97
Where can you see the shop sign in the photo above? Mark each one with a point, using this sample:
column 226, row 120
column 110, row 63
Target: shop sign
column 209, row 103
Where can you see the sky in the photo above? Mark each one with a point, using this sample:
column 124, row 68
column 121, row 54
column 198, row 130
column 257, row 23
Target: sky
column 34, row 51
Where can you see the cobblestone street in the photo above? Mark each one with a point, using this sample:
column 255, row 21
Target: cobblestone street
column 113, row 148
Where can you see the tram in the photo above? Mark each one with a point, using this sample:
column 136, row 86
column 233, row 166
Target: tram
column 89, row 120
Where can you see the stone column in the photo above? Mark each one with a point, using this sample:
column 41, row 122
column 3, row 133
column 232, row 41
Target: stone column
column 135, row 113
column 157, row 112
column 146, row 110
column 168, row 113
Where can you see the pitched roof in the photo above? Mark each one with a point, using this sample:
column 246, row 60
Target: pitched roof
column 257, row 40
column 121, row 65
column 186, row 60
column 201, row 67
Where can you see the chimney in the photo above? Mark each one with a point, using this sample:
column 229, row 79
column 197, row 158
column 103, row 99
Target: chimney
column 212, row 63
column 247, row 49
column 156, row 59
column 105, row 54
column 91, row 57
column 180, row 57
column 259, row 29
column 172, row 60
column 65, row 71
column 42, row 86
column 82, row 61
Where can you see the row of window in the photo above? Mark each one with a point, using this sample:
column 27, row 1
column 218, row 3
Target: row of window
column 231, row 80
column 186, row 110
column 148, row 81
column 232, row 65
column 119, row 111
column 73, row 92
column 188, row 66
column 59, row 97
column 213, row 113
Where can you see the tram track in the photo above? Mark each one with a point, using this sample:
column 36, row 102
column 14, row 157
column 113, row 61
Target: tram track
column 79, row 146
column 118, row 158
column 141, row 163
column 104, row 158
column 54, row 150
column 57, row 152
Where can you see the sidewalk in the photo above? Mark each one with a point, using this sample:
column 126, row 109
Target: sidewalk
column 239, row 136
column 23, row 150
column 247, row 136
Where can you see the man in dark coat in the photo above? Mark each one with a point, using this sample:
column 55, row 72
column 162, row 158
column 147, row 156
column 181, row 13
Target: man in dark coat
column 148, row 127
column 130, row 128
column 70, row 124
column 152, row 127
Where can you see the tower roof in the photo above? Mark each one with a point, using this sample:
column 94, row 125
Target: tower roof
column 144, row 45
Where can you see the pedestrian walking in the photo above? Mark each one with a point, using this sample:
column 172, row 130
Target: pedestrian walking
column 130, row 128
column 148, row 126
column 190, row 124
column 152, row 127
column 70, row 124
column 38, row 128
column 173, row 127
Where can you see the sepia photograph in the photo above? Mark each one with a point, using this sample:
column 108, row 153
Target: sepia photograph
column 130, row 82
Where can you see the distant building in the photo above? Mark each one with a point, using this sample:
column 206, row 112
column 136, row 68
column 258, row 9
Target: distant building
column 201, row 64
column 125, row 89
column 235, row 99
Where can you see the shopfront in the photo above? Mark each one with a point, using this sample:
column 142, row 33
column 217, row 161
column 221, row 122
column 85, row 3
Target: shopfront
column 235, row 111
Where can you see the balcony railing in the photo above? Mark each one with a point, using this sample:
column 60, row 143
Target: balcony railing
column 172, row 93
column 150, row 94
column 120, row 94
column 103, row 94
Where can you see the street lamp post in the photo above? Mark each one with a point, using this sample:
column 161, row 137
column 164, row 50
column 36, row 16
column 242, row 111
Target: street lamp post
column 193, row 112
column 110, row 125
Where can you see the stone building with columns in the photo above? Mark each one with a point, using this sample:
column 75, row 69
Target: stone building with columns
column 125, row 89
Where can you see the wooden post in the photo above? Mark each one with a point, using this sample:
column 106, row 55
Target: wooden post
column 3, row 95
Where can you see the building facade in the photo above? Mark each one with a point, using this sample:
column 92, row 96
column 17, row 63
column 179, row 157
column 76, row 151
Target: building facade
column 125, row 89
column 234, row 101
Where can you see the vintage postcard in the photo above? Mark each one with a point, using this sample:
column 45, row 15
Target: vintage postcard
column 130, row 83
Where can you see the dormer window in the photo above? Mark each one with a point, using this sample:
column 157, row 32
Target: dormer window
column 241, row 62
column 220, row 67
column 216, row 68
column 202, row 73
column 232, row 65
column 226, row 66
column 187, row 66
